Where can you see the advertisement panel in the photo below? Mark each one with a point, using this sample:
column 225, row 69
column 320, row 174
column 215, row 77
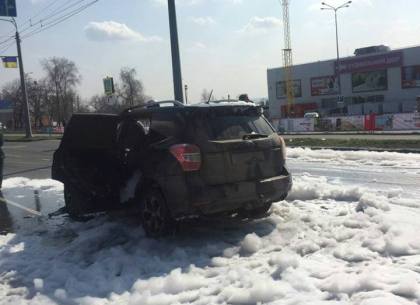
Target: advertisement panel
column 303, row 124
column 350, row 123
column 384, row 122
column 410, row 77
column 6, row 106
column 281, row 89
column 406, row 121
column 324, row 85
column 369, row 81
column 369, row 63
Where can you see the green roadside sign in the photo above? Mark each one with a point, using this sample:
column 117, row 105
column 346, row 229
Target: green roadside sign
column 109, row 86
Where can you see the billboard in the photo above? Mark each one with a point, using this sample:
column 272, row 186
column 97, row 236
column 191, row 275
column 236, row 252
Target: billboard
column 350, row 123
column 8, row 8
column 324, row 85
column 6, row 106
column 281, row 89
column 406, row 121
column 410, row 77
column 369, row 81
column 369, row 63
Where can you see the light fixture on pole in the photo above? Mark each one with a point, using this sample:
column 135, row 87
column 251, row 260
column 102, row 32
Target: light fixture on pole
column 326, row 6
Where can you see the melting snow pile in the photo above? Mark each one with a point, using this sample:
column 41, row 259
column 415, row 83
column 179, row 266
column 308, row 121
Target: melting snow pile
column 329, row 243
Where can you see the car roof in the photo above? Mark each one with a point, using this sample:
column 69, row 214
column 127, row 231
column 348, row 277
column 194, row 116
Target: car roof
column 176, row 106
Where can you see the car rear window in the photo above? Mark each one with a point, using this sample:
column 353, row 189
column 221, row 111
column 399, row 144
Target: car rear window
column 229, row 127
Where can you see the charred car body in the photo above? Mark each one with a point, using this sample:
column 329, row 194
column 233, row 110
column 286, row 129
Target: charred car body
column 172, row 162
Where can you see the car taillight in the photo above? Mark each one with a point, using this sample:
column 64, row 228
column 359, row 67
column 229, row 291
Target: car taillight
column 188, row 156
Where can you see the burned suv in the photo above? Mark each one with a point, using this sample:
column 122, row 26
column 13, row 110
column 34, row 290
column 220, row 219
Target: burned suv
column 172, row 161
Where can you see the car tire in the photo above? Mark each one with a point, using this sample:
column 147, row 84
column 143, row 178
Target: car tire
column 255, row 213
column 73, row 201
column 155, row 215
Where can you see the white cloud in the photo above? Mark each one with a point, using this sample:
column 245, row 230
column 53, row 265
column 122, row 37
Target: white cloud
column 111, row 30
column 200, row 45
column 261, row 24
column 203, row 21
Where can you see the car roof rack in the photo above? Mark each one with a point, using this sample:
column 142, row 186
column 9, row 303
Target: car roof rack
column 154, row 104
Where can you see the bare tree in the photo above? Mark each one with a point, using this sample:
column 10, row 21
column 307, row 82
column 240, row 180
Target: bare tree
column 130, row 89
column 105, row 104
column 11, row 92
column 63, row 76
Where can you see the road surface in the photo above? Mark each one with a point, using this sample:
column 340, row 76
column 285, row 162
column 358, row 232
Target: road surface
column 29, row 159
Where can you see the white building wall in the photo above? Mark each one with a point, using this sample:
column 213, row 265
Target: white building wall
column 394, row 94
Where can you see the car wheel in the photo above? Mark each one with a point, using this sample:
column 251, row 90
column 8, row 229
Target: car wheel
column 258, row 212
column 72, row 199
column 155, row 216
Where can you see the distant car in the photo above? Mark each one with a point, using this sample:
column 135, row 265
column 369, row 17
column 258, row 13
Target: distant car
column 311, row 115
column 171, row 163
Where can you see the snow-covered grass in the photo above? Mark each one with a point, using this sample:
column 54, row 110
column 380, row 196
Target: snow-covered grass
column 328, row 243
column 356, row 158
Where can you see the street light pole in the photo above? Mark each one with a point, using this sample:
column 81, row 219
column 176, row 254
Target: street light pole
column 176, row 61
column 335, row 9
column 28, row 128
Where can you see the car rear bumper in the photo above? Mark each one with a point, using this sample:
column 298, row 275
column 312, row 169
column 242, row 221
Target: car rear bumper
column 199, row 199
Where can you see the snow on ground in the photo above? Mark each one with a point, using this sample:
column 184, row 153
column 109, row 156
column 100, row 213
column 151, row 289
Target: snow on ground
column 330, row 242
column 356, row 158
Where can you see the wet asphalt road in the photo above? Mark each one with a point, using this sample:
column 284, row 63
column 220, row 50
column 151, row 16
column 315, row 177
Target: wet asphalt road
column 29, row 159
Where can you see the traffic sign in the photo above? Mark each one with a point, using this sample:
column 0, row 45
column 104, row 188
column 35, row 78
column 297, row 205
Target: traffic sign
column 8, row 8
column 109, row 86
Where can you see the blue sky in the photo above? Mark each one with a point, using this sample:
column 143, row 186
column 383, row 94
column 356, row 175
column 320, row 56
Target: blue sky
column 226, row 45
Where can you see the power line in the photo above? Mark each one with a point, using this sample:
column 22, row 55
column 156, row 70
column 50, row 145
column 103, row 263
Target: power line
column 67, row 5
column 59, row 20
column 58, row 11
column 7, row 47
column 7, row 40
column 42, row 10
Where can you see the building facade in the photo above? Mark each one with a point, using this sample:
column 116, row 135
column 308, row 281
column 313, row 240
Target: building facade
column 377, row 82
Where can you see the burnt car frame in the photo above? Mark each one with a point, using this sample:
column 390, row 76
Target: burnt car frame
column 170, row 161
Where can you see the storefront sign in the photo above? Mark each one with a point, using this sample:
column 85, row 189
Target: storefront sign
column 324, row 85
column 374, row 62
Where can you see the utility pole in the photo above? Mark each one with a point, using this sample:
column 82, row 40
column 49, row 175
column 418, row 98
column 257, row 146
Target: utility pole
column 27, row 117
column 28, row 127
column 176, row 61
